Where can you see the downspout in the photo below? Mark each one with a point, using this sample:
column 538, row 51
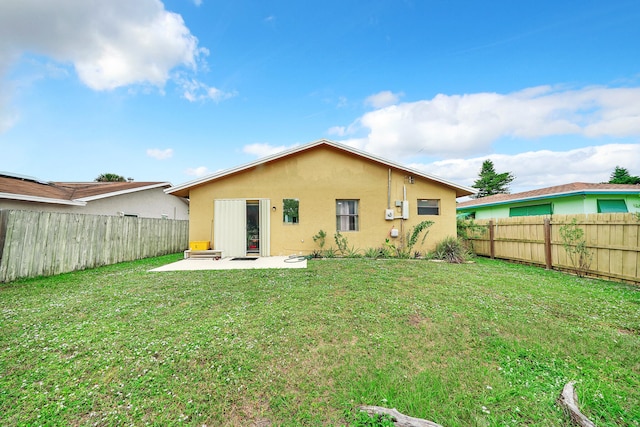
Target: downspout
column 404, row 198
column 389, row 191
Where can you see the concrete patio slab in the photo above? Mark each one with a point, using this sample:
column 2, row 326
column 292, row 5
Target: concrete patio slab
column 191, row 264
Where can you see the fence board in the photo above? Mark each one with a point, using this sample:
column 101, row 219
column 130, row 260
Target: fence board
column 45, row 243
column 612, row 239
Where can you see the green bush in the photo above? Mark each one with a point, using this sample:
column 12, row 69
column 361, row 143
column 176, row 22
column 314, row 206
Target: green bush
column 467, row 230
column 320, row 239
column 374, row 253
column 451, row 250
column 575, row 245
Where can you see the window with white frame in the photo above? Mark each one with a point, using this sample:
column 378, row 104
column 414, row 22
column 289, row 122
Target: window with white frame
column 428, row 207
column 347, row 215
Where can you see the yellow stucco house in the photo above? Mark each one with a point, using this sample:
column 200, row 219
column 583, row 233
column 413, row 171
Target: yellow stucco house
column 274, row 206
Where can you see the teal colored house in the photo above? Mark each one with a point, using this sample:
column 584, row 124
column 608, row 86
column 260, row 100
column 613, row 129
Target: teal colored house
column 574, row 198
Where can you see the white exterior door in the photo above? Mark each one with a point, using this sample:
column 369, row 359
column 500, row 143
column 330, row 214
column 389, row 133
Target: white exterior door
column 230, row 226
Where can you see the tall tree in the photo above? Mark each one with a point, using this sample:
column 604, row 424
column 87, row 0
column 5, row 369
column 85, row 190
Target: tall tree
column 622, row 176
column 110, row 177
column 490, row 182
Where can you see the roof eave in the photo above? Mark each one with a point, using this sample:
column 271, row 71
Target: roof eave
column 550, row 196
column 127, row 191
column 37, row 199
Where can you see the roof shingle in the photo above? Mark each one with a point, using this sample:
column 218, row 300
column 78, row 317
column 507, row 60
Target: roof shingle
column 565, row 189
column 67, row 191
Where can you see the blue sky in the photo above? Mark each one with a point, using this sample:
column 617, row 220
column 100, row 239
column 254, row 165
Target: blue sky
column 174, row 90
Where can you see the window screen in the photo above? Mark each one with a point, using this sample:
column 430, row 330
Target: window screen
column 347, row 215
column 531, row 210
column 610, row 206
column 428, row 207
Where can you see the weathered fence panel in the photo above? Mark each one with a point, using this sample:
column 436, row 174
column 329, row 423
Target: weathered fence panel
column 46, row 243
column 613, row 240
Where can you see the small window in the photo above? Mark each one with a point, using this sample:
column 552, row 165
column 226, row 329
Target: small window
column 612, row 206
column 290, row 211
column 428, row 207
column 532, row 210
column 347, row 215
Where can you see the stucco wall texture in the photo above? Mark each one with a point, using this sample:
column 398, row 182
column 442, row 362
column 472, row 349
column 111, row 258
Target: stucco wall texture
column 317, row 178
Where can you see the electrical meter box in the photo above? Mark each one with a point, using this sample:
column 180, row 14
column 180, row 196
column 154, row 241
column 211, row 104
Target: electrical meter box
column 388, row 214
column 405, row 209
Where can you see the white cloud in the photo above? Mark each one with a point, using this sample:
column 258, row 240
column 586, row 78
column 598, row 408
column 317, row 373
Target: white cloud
column 7, row 119
column 337, row 130
column 194, row 90
column 197, row 2
column 454, row 125
column 110, row 43
column 8, row 116
column 197, row 172
column 383, row 99
column 263, row 150
column 544, row 168
column 159, row 154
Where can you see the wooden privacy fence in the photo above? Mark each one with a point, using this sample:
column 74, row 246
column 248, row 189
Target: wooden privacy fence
column 46, row 243
column 613, row 240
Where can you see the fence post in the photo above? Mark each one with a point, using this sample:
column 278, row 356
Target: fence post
column 492, row 242
column 547, row 243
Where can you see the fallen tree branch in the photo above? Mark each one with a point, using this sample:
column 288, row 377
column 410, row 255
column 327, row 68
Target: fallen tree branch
column 399, row 419
column 569, row 401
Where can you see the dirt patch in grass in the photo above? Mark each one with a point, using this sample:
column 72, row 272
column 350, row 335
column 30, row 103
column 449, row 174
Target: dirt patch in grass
column 418, row 321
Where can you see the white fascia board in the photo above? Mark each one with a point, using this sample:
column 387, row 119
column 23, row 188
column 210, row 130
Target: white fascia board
column 306, row 147
column 25, row 198
column 121, row 192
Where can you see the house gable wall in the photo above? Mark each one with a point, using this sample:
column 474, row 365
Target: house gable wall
column 317, row 177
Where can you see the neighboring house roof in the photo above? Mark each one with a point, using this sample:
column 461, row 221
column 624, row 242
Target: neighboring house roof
column 25, row 188
column 183, row 189
column 573, row 189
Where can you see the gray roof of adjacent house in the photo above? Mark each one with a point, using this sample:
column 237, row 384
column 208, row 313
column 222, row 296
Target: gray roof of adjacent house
column 30, row 189
column 183, row 189
column 572, row 189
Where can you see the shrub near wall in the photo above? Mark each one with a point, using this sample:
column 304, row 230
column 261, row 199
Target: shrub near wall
column 46, row 243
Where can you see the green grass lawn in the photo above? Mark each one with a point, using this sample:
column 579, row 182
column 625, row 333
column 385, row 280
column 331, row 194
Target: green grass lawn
column 483, row 344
